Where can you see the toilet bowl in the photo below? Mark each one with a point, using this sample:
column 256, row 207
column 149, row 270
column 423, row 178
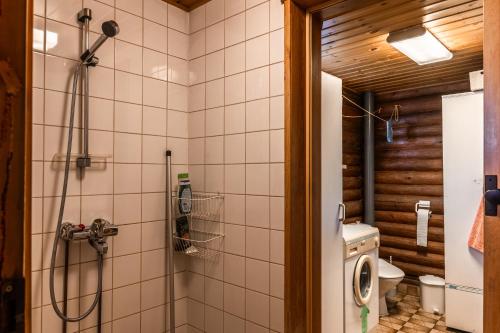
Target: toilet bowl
column 389, row 277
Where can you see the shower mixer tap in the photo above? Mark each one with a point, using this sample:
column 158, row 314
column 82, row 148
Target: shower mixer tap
column 95, row 233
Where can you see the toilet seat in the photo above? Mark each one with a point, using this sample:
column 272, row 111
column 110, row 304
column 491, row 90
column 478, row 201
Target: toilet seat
column 388, row 271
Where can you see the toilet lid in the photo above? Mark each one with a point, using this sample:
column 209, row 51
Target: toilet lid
column 388, row 271
column 432, row 280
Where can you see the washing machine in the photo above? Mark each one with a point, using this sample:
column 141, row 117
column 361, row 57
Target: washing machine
column 361, row 243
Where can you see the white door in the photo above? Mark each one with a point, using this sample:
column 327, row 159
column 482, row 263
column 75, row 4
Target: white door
column 332, row 245
column 463, row 191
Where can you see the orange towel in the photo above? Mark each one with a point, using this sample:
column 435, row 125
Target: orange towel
column 476, row 236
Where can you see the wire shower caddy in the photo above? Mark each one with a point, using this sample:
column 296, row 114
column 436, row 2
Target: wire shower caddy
column 206, row 230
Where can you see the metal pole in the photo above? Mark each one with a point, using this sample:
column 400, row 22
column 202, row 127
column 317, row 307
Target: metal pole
column 170, row 243
column 84, row 16
column 369, row 160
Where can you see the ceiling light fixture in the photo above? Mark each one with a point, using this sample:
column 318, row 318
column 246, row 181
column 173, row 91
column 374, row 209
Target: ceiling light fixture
column 420, row 45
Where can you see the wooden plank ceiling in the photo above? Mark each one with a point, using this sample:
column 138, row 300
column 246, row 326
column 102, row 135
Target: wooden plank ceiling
column 354, row 45
column 187, row 4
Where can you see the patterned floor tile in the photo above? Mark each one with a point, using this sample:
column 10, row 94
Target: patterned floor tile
column 406, row 316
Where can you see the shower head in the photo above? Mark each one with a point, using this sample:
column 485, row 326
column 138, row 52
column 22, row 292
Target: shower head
column 109, row 29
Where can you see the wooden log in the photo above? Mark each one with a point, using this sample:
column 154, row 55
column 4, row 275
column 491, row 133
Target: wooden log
column 425, row 190
column 352, row 183
column 409, row 231
column 424, row 259
column 416, row 270
column 436, row 220
column 425, row 153
column 355, row 219
column 423, row 119
column 413, row 105
column 352, row 195
column 409, row 177
column 398, row 142
column 410, row 244
column 409, row 164
column 352, row 159
column 353, row 208
column 352, row 171
column 410, row 131
column 406, row 203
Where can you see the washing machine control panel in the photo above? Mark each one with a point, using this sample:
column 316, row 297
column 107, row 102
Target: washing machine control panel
column 361, row 246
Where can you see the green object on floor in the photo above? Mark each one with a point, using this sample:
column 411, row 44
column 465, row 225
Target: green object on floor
column 364, row 319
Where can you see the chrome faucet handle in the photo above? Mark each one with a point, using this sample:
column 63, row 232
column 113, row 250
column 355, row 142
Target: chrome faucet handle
column 101, row 228
column 71, row 231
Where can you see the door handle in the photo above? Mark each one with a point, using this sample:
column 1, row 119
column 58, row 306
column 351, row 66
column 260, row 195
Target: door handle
column 491, row 195
column 341, row 212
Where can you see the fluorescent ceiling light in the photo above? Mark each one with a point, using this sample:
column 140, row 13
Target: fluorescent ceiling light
column 420, row 45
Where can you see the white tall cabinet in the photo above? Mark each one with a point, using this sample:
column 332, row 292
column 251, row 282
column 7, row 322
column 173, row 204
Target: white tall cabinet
column 463, row 189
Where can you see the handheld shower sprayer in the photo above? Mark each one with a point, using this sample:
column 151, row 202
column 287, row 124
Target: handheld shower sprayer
column 109, row 29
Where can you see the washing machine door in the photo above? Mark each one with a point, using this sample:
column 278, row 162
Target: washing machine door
column 363, row 280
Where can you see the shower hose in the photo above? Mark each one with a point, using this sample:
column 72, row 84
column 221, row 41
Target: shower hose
column 59, row 313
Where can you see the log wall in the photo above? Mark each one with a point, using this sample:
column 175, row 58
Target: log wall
column 352, row 158
column 406, row 171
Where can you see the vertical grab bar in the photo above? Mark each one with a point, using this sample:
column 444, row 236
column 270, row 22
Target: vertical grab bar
column 170, row 243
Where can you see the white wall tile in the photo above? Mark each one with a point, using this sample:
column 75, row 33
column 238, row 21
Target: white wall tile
column 277, row 146
column 215, row 121
column 153, row 208
column 234, row 300
column 68, row 40
column 257, row 115
column 102, row 82
column 277, row 79
column 257, row 52
column 257, row 275
column 152, row 293
column 214, row 11
column 233, row 324
column 196, row 97
column 277, row 274
column 154, row 64
column 234, row 179
column 57, row 72
column 257, row 243
column 234, row 208
column 153, row 149
column 178, row 19
column 234, row 118
column 63, row 10
column 178, row 44
column 197, row 71
column 214, row 181
column 197, row 44
column 127, row 178
column 215, row 37
column 177, row 97
column 128, row 87
column 155, row 36
column 127, row 208
column 235, row 59
column 215, row 65
column 214, row 150
column 154, row 121
column 276, row 46
column 196, row 123
column 126, row 269
column 234, row 241
column 277, row 112
column 131, row 6
column 233, row 7
column 127, row 148
column 277, row 213
column 197, row 19
column 257, row 20
column 235, row 149
column 257, row 83
column 215, row 93
column 101, row 114
column 257, row 147
column 277, row 315
column 257, row 308
column 277, row 179
column 156, row 11
column 234, row 89
column 128, row 57
column 234, row 28
column 277, row 251
column 257, row 211
column 257, row 179
column 130, row 27
column 154, row 92
column 128, row 324
column 126, row 300
column 277, row 14
column 153, row 177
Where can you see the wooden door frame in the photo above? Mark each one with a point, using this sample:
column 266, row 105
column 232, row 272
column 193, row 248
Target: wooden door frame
column 302, row 157
column 16, row 32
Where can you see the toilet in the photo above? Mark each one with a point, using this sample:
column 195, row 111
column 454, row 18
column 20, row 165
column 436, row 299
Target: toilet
column 389, row 277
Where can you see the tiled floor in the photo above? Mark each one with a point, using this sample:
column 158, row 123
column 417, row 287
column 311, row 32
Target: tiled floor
column 405, row 315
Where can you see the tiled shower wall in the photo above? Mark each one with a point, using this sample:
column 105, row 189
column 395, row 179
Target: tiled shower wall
column 210, row 81
column 138, row 107
column 236, row 147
